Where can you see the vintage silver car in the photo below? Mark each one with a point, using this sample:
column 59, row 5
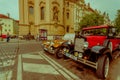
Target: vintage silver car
column 52, row 46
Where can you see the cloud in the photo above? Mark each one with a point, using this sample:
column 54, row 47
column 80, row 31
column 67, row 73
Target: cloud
column 109, row 6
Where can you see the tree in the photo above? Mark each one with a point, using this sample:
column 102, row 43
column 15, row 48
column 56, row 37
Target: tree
column 117, row 21
column 92, row 19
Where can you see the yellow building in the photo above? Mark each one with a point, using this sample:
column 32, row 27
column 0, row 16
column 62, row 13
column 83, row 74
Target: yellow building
column 53, row 16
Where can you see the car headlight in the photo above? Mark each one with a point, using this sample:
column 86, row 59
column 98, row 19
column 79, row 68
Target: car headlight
column 51, row 43
column 48, row 42
column 69, row 42
column 66, row 50
column 86, row 44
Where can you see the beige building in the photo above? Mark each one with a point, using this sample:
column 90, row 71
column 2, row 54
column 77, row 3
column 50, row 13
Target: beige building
column 54, row 16
column 51, row 17
column 8, row 25
column 81, row 9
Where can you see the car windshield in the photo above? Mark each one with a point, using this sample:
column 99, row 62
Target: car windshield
column 98, row 32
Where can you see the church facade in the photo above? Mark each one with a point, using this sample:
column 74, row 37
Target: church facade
column 46, row 17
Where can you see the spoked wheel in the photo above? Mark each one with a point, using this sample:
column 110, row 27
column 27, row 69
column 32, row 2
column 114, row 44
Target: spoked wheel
column 103, row 67
column 61, row 51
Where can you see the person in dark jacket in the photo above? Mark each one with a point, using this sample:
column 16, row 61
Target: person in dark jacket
column 8, row 37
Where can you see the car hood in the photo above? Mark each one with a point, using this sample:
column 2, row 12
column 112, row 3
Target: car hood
column 54, row 43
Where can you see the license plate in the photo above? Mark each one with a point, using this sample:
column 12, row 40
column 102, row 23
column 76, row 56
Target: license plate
column 74, row 58
column 71, row 56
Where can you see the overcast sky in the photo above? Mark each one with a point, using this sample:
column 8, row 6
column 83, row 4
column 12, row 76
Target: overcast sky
column 10, row 6
column 109, row 6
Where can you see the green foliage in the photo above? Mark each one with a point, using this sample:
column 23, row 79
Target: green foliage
column 92, row 19
column 117, row 21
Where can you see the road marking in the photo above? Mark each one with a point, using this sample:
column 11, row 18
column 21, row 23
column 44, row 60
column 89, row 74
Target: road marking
column 61, row 67
column 8, row 63
column 31, row 56
column 7, row 75
column 39, row 68
column 59, row 70
column 67, row 74
column 118, row 78
column 19, row 69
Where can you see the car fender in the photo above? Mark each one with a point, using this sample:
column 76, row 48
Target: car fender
column 101, row 50
column 65, row 45
column 56, row 45
column 97, row 49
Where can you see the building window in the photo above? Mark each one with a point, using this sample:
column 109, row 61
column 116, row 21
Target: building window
column 67, row 30
column 67, row 4
column 42, row 13
column 67, row 15
column 5, row 30
column 9, row 30
column 55, row 13
column 31, row 11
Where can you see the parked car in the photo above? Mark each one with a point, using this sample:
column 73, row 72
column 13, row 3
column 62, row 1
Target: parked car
column 96, row 47
column 52, row 46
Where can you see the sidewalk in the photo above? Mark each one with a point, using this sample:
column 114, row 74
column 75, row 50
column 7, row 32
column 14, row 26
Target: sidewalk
column 15, row 41
column 11, row 40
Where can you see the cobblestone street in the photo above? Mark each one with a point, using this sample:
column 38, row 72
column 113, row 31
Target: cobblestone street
column 26, row 60
column 21, row 61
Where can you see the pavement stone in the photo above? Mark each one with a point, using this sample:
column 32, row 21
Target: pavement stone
column 7, row 60
column 34, row 67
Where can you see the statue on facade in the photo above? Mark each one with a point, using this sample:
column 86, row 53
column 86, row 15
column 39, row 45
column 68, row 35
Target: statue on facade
column 55, row 13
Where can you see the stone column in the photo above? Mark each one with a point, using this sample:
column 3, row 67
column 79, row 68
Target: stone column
column 21, row 11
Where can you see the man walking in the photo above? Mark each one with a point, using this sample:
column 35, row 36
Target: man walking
column 8, row 37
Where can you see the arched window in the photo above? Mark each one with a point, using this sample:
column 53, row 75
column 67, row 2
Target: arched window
column 31, row 10
column 55, row 13
column 67, row 30
column 42, row 13
column 67, row 15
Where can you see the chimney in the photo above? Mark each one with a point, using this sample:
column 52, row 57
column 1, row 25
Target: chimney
column 8, row 14
column 89, row 5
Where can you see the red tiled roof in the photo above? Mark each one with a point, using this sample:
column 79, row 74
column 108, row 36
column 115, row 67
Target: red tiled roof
column 3, row 16
column 17, row 21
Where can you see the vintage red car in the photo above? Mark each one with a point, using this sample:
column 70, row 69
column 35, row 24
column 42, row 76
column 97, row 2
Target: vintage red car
column 102, row 34
column 94, row 46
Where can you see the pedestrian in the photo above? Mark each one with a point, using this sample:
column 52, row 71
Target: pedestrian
column 8, row 37
column 28, row 36
column 37, row 37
